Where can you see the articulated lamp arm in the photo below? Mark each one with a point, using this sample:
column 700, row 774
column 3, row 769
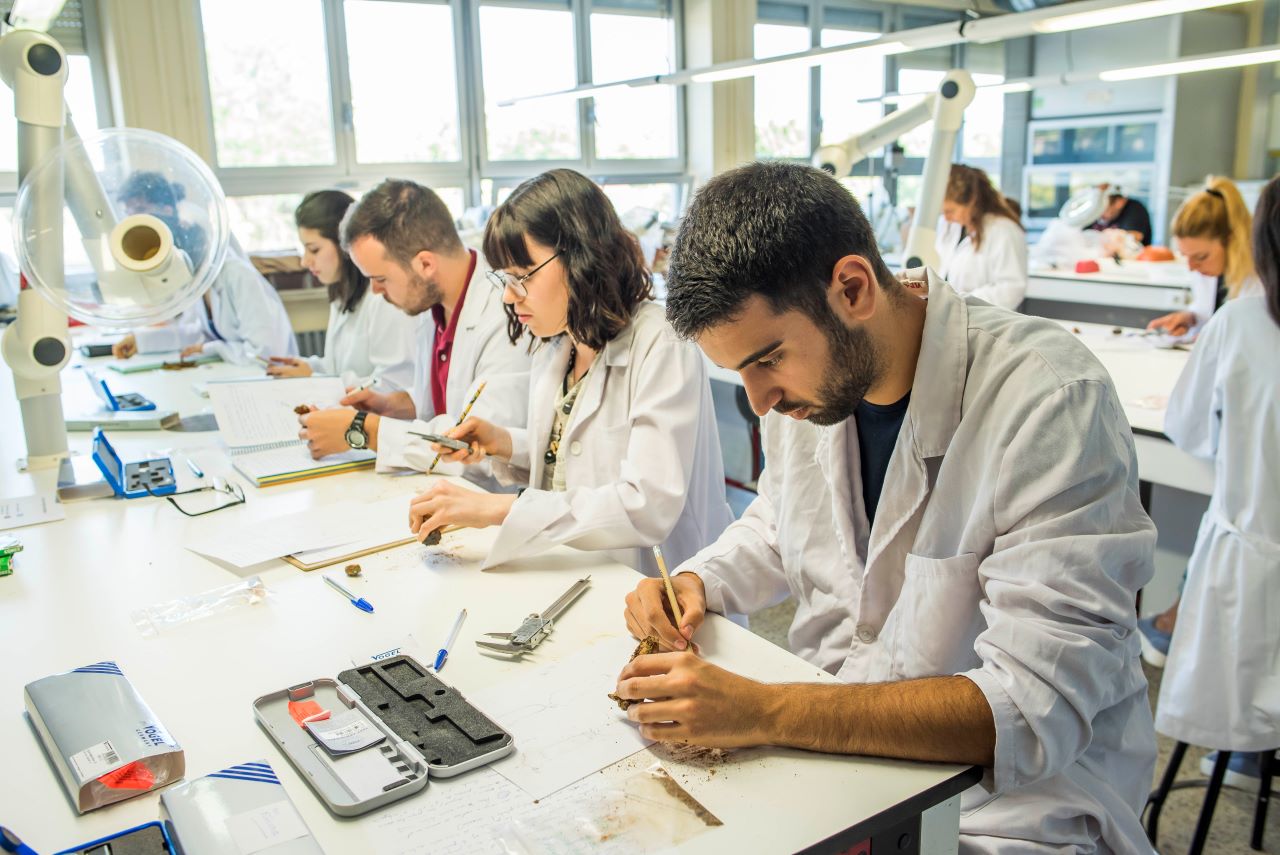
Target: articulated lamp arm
column 946, row 108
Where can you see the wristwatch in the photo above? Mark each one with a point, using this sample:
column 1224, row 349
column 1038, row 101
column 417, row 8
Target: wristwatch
column 357, row 437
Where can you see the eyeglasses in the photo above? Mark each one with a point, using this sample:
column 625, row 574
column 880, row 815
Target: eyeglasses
column 218, row 489
column 502, row 280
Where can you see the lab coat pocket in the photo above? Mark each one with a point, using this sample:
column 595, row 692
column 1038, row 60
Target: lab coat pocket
column 936, row 618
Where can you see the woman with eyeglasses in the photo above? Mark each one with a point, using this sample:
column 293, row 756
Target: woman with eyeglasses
column 621, row 451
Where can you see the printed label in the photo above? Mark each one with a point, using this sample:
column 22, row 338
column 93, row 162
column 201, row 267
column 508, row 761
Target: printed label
column 95, row 760
column 265, row 827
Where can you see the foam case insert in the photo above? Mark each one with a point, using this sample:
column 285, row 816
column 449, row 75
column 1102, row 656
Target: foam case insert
column 429, row 714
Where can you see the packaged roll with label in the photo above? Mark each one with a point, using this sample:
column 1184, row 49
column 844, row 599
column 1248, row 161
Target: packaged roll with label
column 239, row 810
column 103, row 740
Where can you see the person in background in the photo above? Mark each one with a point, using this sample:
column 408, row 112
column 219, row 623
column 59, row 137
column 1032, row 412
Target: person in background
column 983, row 247
column 402, row 236
column 369, row 342
column 621, row 451
column 1211, row 230
column 1124, row 213
column 240, row 318
column 1218, row 688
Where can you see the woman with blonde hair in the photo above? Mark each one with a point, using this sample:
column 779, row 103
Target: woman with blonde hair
column 982, row 246
column 1211, row 230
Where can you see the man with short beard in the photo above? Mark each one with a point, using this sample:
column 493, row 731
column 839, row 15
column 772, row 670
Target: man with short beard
column 401, row 235
column 950, row 495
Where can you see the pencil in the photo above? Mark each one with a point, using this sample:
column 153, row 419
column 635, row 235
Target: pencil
column 666, row 580
column 462, row 418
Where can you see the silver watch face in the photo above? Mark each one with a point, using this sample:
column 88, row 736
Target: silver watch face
column 355, row 438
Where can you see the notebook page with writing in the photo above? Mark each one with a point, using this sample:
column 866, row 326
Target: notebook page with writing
column 258, row 412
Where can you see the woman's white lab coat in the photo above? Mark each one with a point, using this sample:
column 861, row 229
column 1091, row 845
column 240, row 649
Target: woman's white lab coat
column 643, row 464
column 248, row 319
column 996, row 271
column 1008, row 545
column 373, row 343
column 1221, row 684
column 1204, row 297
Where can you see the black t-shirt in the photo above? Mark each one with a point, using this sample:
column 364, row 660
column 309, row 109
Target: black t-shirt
column 878, row 427
column 1133, row 217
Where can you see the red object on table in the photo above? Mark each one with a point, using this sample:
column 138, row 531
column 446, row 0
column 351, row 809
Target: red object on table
column 1087, row 266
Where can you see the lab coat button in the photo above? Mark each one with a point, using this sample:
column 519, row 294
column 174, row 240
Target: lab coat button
column 866, row 634
column 575, row 448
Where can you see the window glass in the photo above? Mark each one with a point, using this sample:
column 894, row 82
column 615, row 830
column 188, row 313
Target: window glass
column 641, row 122
column 268, row 82
column 528, row 52
column 404, row 87
column 845, row 80
column 782, row 96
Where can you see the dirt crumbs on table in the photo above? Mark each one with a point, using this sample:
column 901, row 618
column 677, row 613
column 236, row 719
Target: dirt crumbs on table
column 647, row 645
column 302, row 409
column 683, row 796
column 353, row 570
column 694, row 755
column 177, row 366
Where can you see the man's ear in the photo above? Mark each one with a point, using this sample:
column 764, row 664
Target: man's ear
column 852, row 292
column 424, row 264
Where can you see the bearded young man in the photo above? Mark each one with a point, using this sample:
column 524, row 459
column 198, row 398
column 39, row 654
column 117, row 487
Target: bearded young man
column 950, row 495
column 401, row 235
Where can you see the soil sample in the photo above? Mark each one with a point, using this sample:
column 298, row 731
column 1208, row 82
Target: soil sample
column 353, row 569
column 647, row 645
column 302, row 409
column 177, row 366
column 432, row 539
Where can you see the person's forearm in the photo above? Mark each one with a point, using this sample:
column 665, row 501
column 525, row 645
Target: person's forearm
column 400, row 406
column 939, row 719
column 371, row 423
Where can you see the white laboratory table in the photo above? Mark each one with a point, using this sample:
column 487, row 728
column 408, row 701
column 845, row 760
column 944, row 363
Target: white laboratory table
column 69, row 603
column 1154, row 286
column 1144, row 376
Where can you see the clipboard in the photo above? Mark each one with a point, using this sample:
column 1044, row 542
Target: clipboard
column 361, row 553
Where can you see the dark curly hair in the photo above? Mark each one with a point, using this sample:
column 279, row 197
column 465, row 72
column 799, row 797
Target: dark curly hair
column 567, row 211
column 771, row 228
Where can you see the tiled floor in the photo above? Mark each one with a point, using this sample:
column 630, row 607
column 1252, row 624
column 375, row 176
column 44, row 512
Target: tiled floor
column 1232, row 821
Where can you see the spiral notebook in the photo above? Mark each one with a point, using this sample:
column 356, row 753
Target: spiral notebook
column 258, row 421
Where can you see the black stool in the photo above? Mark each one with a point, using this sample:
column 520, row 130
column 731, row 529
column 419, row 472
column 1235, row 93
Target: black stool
column 1168, row 783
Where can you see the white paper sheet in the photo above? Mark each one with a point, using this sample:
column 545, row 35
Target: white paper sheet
column 627, row 809
column 256, row 412
column 318, row 528
column 17, row 511
column 564, row 725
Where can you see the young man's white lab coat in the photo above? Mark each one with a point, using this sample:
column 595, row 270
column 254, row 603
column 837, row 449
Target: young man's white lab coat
column 374, row 343
column 996, row 271
column 248, row 318
column 1008, row 545
column 1221, row 685
column 482, row 352
column 643, row 465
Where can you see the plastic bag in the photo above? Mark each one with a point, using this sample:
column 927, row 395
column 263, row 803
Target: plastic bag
column 156, row 618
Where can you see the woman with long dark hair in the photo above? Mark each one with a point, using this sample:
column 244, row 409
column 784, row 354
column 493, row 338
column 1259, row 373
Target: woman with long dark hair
column 982, row 245
column 369, row 342
column 1221, row 684
column 621, row 451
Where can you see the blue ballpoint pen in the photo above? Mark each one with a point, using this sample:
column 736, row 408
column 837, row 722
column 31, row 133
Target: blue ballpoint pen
column 443, row 653
column 195, row 470
column 359, row 602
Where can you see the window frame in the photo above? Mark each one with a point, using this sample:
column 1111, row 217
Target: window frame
column 473, row 167
column 892, row 19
